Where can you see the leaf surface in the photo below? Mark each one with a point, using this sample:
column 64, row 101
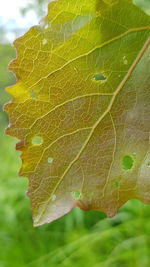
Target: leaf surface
column 81, row 107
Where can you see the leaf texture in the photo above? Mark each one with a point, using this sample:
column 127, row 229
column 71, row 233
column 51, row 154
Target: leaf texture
column 81, row 107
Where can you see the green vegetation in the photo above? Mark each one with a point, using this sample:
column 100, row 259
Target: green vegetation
column 7, row 52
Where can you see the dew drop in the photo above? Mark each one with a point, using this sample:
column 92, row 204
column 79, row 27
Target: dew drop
column 50, row 160
column 127, row 162
column 125, row 61
column 46, row 26
column 32, row 94
column 76, row 195
column 53, row 197
column 99, row 77
column 44, row 42
column 37, row 140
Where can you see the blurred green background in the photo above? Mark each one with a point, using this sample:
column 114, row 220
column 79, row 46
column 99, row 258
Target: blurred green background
column 79, row 238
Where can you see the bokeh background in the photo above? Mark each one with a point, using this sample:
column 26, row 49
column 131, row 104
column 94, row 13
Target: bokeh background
column 79, row 238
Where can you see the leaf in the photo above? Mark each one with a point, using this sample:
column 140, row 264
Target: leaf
column 81, row 107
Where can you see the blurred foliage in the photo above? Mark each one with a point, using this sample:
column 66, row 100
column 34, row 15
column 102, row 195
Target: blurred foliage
column 39, row 6
column 79, row 238
column 7, row 52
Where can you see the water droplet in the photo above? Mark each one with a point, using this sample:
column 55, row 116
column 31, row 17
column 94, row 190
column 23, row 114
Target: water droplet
column 148, row 164
column 44, row 42
column 125, row 61
column 76, row 70
column 76, row 195
column 37, row 140
column 134, row 153
column 53, row 197
column 99, row 77
column 50, row 160
column 127, row 162
column 46, row 26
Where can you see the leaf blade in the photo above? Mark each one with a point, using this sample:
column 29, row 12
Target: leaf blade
column 70, row 118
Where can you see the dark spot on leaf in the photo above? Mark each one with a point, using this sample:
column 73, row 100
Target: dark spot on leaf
column 37, row 140
column 99, row 77
column 148, row 164
column 76, row 195
column 127, row 162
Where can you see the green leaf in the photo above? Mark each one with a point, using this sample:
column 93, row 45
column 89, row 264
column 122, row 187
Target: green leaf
column 81, row 107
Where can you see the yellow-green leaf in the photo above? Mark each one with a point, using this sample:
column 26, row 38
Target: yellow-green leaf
column 81, row 107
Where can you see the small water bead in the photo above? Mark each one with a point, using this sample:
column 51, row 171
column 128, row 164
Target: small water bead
column 50, row 160
column 125, row 61
column 53, row 197
column 37, row 140
column 76, row 195
column 46, row 26
column 44, row 42
column 32, row 94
